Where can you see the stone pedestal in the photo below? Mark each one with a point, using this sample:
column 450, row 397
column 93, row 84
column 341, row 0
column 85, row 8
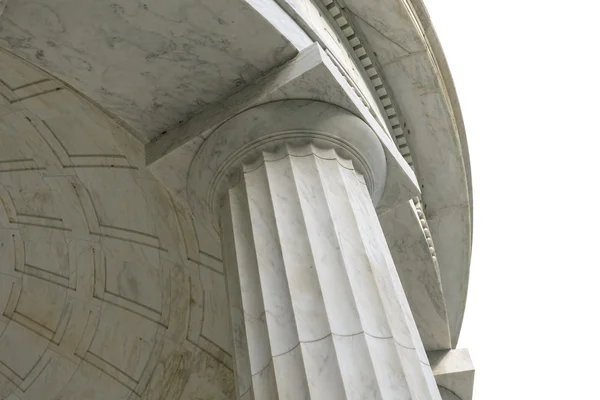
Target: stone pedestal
column 317, row 308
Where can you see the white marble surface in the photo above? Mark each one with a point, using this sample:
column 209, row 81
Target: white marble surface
column 88, row 237
column 316, row 20
column 454, row 373
column 151, row 63
column 419, row 274
column 425, row 94
column 448, row 395
column 297, row 80
column 318, row 310
column 312, row 75
column 106, row 290
column 291, row 119
column 153, row 66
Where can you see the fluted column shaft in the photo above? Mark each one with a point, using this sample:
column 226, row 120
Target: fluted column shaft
column 317, row 308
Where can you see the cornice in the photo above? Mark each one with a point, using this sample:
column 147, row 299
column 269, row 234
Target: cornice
column 350, row 17
column 397, row 123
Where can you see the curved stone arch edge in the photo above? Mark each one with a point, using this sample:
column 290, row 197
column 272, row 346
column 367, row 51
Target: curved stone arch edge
column 116, row 120
column 371, row 73
column 454, row 264
column 427, row 301
column 435, row 50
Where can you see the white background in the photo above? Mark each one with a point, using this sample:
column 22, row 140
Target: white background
column 528, row 79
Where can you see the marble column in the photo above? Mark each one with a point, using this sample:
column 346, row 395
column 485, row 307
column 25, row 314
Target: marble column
column 317, row 307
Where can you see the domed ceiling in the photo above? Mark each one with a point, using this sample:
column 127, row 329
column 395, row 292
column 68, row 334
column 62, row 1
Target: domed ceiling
column 103, row 290
column 107, row 289
column 151, row 63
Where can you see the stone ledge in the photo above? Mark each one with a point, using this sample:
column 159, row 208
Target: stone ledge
column 454, row 373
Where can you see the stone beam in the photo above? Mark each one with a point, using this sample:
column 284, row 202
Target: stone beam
column 312, row 75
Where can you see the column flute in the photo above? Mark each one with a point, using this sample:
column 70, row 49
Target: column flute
column 317, row 307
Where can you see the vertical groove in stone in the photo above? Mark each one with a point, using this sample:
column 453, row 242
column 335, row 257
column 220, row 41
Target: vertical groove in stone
column 242, row 370
column 251, row 338
column 408, row 343
column 340, row 316
column 298, row 260
column 288, row 368
column 352, row 347
column 387, row 368
column 365, row 293
column 318, row 311
column 330, row 265
column 305, row 288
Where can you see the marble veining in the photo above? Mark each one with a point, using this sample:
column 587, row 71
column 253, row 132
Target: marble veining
column 418, row 79
column 317, row 307
column 150, row 63
column 295, row 120
column 287, row 260
column 454, row 373
column 324, row 28
column 397, row 124
column 419, row 273
column 106, row 289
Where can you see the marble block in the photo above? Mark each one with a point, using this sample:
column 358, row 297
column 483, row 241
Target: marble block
column 454, row 373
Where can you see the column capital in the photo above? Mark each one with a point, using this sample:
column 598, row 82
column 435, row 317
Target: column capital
column 278, row 127
column 317, row 309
